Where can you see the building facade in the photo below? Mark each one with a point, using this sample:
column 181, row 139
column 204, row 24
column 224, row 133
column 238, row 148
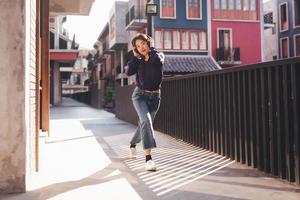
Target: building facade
column 288, row 28
column 180, row 30
column 118, row 40
column 181, row 27
column 270, row 39
column 236, row 31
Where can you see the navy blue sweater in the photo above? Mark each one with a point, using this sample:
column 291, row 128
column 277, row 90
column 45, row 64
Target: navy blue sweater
column 148, row 73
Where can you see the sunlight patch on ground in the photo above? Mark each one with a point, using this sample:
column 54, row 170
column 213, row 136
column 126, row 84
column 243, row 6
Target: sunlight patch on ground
column 111, row 190
column 192, row 163
column 69, row 146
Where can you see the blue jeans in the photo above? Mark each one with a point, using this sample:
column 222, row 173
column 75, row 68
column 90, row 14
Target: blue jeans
column 146, row 105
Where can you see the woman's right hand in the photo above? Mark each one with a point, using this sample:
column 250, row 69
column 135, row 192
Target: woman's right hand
column 151, row 41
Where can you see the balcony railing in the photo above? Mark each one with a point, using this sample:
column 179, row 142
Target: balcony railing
column 228, row 55
column 250, row 114
column 135, row 20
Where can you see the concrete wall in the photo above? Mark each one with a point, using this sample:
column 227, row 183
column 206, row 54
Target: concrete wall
column 57, row 99
column 123, row 97
column 17, row 100
column 12, row 86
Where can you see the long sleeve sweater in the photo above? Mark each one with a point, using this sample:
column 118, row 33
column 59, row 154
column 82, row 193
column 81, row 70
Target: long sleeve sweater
column 148, row 73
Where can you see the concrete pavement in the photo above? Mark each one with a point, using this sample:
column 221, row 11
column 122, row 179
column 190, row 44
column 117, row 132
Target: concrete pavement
column 86, row 157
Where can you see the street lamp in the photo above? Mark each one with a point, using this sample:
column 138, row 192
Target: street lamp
column 151, row 10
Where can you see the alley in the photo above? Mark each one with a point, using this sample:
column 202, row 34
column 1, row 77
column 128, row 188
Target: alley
column 86, row 157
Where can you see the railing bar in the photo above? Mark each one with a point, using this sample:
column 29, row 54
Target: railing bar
column 244, row 120
column 229, row 117
column 202, row 112
column 225, row 91
column 219, row 100
column 198, row 117
column 234, row 114
column 252, row 119
column 206, row 114
column 279, row 123
column 258, row 121
column 215, row 115
column 295, row 92
column 289, row 171
column 209, row 90
column 239, row 116
column 265, row 134
column 273, row 164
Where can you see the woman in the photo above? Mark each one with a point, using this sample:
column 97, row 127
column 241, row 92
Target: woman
column 147, row 65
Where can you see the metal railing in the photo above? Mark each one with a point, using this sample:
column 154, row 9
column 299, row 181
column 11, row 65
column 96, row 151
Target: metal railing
column 229, row 55
column 134, row 13
column 250, row 114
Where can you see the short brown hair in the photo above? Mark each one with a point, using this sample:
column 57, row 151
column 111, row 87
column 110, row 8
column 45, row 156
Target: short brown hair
column 139, row 36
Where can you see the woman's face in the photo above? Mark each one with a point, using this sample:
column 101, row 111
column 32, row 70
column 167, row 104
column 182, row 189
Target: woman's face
column 142, row 47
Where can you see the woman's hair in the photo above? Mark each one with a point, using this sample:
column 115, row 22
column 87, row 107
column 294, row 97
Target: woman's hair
column 140, row 36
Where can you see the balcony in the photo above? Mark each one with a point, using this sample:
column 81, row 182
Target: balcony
column 135, row 20
column 229, row 56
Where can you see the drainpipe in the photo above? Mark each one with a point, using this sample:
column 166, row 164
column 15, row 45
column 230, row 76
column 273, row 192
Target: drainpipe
column 208, row 35
column 261, row 30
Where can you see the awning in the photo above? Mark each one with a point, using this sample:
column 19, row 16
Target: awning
column 63, row 55
column 183, row 64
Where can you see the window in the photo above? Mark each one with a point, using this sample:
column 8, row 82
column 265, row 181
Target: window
column 253, row 5
column 231, row 4
column 176, row 40
column 238, row 4
column 296, row 12
column 167, row 8
column 246, row 5
column 217, row 4
column 283, row 17
column 194, row 40
column 167, row 40
column 284, row 48
column 202, row 36
column 224, row 4
column 158, row 39
column 194, row 9
column 185, row 40
column 224, row 38
column 297, row 45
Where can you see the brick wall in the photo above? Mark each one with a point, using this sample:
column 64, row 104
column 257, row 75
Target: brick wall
column 32, row 86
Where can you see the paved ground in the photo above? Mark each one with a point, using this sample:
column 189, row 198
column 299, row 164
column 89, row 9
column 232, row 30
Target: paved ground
column 85, row 158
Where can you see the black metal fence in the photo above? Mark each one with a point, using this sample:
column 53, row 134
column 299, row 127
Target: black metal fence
column 249, row 114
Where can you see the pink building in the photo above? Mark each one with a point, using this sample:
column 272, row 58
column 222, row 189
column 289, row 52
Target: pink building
column 236, row 31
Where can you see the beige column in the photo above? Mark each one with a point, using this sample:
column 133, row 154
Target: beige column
column 12, row 99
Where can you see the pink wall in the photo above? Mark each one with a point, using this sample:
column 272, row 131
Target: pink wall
column 246, row 36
